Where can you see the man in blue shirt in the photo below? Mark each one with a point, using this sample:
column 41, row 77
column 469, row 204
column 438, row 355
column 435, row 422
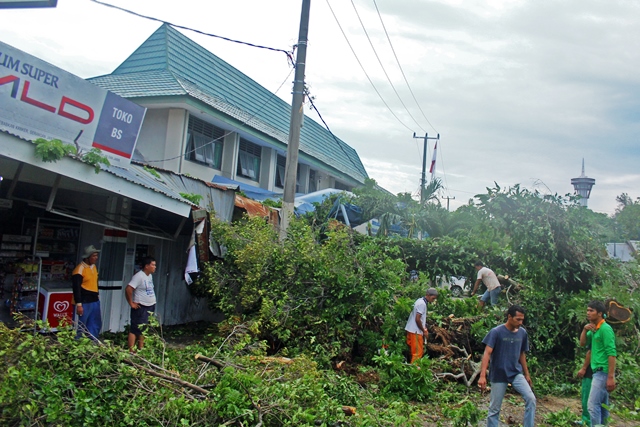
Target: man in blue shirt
column 505, row 349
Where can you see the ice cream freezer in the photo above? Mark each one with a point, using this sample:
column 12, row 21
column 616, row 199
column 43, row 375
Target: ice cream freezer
column 54, row 303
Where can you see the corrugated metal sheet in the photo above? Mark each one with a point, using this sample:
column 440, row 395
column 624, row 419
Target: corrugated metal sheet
column 215, row 198
column 255, row 208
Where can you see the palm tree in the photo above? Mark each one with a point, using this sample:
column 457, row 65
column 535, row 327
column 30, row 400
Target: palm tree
column 431, row 191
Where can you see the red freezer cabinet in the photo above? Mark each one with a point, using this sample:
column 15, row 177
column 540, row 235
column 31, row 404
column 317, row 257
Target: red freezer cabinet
column 54, row 303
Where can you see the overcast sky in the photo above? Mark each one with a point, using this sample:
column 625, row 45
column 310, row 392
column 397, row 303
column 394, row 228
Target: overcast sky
column 519, row 90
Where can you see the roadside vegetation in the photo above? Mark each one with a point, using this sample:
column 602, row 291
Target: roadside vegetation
column 314, row 329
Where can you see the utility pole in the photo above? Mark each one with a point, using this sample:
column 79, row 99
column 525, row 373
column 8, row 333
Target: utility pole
column 423, row 180
column 291, row 167
column 448, row 197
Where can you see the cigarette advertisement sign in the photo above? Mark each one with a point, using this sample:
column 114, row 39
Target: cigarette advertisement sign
column 39, row 100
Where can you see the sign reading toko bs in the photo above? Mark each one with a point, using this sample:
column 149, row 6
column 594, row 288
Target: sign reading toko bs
column 39, row 100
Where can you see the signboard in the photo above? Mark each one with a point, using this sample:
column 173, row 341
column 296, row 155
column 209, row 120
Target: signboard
column 23, row 4
column 39, row 100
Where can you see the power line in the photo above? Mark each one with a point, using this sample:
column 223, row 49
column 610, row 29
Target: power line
column 382, row 66
column 400, row 66
column 286, row 52
column 363, row 70
column 329, row 130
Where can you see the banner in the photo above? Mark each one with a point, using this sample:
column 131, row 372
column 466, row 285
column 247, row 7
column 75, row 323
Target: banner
column 39, row 100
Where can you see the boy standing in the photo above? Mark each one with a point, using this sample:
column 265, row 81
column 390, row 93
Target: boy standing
column 142, row 299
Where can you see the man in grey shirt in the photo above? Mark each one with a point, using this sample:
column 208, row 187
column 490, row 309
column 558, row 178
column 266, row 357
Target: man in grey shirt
column 142, row 299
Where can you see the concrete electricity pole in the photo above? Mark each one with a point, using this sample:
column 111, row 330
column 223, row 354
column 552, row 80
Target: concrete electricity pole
column 449, row 198
column 291, row 167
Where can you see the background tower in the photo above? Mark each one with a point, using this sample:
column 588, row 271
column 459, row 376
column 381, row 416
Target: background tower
column 582, row 186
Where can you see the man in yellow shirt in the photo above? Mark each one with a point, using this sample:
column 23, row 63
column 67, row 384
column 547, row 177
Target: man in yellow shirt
column 84, row 280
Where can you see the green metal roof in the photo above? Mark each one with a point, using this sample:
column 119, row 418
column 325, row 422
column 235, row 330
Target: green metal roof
column 170, row 64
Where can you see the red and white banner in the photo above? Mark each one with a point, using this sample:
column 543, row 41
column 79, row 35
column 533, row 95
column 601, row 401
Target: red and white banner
column 432, row 170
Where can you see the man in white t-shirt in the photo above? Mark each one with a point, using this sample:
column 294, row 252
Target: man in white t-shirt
column 142, row 299
column 417, row 324
column 490, row 280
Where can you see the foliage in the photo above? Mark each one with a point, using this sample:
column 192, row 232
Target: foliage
column 550, row 246
column 95, row 158
column 305, row 295
column 54, row 150
column 627, row 217
column 193, row 198
column 409, row 382
column 563, row 418
column 464, row 414
column 58, row 380
column 153, row 172
column 273, row 203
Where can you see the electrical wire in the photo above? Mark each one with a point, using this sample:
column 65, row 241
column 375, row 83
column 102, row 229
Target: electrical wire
column 242, row 124
column 286, row 52
column 400, row 66
column 363, row 70
column 329, row 130
column 375, row 52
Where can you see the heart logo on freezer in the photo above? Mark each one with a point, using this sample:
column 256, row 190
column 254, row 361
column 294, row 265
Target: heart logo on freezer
column 61, row 305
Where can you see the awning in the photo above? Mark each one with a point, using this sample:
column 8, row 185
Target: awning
column 17, row 149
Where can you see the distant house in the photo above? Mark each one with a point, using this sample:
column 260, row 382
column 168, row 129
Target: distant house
column 207, row 119
column 623, row 251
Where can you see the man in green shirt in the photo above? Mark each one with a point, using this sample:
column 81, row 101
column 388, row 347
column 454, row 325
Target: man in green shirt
column 603, row 361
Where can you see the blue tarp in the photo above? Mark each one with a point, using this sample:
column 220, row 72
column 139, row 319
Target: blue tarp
column 303, row 203
column 252, row 192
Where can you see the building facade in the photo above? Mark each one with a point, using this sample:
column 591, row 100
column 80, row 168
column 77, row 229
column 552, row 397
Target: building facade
column 205, row 119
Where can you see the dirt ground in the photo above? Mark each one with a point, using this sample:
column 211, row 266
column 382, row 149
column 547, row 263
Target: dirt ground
column 513, row 411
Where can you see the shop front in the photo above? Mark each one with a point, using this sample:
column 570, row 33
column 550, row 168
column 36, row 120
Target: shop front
column 51, row 211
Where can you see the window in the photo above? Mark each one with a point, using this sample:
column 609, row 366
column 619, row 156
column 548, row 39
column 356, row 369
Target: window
column 340, row 186
column 249, row 160
column 281, row 164
column 204, row 143
column 313, row 184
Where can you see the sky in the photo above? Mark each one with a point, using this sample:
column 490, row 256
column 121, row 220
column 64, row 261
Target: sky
column 520, row 91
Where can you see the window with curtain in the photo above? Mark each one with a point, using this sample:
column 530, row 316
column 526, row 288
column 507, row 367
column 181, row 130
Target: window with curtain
column 249, row 160
column 204, row 143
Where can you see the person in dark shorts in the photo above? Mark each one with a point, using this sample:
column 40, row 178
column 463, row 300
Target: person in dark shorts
column 142, row 299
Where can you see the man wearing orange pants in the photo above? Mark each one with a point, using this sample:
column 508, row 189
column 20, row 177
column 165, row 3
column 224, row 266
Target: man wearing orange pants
column 417, row 324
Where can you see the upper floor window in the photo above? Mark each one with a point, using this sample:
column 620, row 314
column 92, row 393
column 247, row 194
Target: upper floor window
column 313, row 183
column 204, row 143
column 249, row 160
column 281, row 164
column 340, row 186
